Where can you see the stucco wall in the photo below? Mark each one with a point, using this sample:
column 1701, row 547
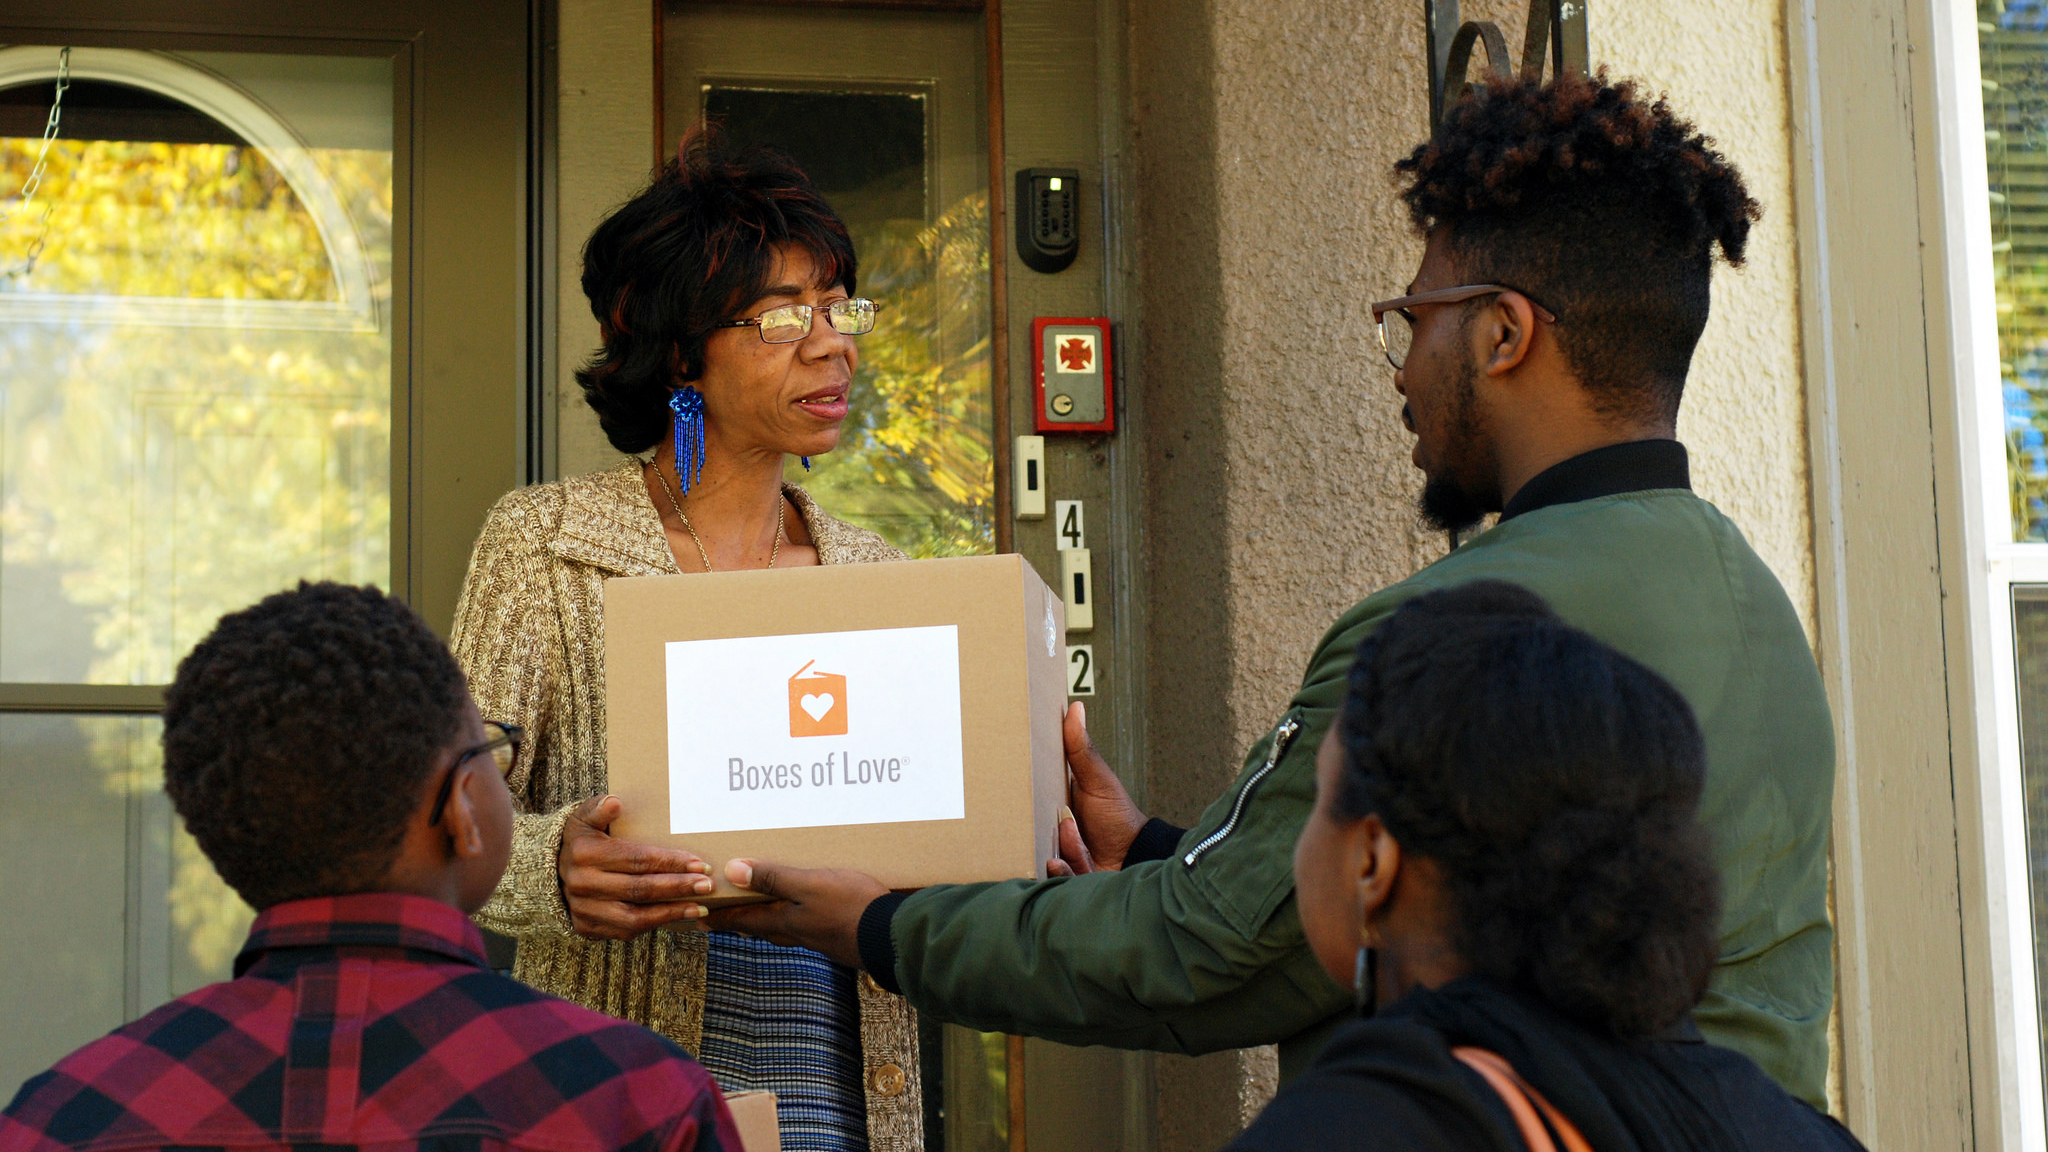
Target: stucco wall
column 1277, row 484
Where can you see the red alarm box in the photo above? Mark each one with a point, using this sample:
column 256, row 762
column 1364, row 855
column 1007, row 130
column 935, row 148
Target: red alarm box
column 1071, row 385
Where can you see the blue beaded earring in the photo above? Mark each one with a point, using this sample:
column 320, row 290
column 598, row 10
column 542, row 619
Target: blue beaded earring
column 807, row 462
column 688, row 405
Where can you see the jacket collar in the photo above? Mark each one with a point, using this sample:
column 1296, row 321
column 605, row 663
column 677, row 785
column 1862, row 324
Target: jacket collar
column 609, row 524
column 369, row 920
column 1634, row 466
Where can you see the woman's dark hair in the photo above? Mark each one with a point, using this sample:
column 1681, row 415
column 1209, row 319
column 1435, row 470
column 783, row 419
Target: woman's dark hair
column 1555, row 782
column 668, row 265
column 299, row 735
column 1600, row 205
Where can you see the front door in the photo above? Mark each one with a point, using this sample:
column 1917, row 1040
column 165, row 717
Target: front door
column 887, row 113
column 260, row 300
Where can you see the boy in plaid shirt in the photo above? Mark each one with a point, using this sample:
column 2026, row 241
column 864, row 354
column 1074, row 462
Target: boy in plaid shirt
column 323, row 749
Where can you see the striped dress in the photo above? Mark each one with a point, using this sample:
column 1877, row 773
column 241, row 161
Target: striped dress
column 787, row 1020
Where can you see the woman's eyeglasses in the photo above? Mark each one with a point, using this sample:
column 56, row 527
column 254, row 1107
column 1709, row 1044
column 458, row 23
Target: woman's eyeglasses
column 792, row 322
column 502, row 748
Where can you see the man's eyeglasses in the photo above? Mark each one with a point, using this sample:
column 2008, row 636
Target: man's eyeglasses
column 1397, row 339
column 792, row 322
column 502, row 748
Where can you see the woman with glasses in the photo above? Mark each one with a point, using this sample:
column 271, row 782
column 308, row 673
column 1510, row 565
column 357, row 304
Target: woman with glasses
column 725, row 298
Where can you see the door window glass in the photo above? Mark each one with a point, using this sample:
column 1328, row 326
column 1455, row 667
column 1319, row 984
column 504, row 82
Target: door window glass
column 196, row 350
column 915, row 460
column 110, row 907
column 195, row 411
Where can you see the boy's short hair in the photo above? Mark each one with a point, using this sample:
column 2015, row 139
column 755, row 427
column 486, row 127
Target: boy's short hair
column 1602, row 206
column 299, row 735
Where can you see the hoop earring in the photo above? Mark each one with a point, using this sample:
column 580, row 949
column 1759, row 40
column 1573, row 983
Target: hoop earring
column 688, row 405
column 1365, row 980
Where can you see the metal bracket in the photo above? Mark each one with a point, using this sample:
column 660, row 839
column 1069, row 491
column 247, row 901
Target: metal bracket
column 1556, row 28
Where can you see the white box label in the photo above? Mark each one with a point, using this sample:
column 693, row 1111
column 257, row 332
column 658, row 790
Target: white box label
column 813, row 730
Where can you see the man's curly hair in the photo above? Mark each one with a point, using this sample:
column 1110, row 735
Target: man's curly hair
column 300, row 734
column 1602, row 206
column 1556, row 783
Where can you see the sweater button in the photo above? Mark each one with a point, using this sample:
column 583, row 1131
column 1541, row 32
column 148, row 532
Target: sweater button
column 886, row 1080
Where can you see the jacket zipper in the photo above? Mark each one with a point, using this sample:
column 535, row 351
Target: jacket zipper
column 1281, row 739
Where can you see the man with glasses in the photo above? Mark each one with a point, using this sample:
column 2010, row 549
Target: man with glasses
column 1542, row 349
column 323, row 749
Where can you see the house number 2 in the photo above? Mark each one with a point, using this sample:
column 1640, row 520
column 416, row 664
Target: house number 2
column 1080, row 670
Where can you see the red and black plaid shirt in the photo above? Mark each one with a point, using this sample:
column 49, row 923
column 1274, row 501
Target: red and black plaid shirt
column 372, row 1022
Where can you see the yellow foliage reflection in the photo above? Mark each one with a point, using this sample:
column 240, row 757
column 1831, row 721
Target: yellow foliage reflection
column 160, row 469
column 209, row 920
column 205, row 221
column 915, row 462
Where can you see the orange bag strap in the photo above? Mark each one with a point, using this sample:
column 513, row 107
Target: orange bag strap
column 1524, row 1102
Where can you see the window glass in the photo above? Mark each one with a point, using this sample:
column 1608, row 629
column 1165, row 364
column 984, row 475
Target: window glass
column 196, row 353
column 2030, row 647
column 110, row 908
column 915, row 462
column 2013, row 46
column 195, row 384
column 976, row 1083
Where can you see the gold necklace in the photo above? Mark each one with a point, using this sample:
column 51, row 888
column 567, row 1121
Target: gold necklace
column 670, row 492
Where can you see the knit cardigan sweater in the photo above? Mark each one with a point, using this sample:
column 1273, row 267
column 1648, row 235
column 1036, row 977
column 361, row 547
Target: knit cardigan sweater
column 529, row 633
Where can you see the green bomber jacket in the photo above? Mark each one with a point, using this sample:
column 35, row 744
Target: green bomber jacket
column 1203, row 950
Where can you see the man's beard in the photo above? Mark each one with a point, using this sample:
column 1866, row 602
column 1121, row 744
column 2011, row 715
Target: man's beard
column 1445, row 504
column 1447, row 507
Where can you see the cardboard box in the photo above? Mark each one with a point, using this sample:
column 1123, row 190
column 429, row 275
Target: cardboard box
column 901, row 719
column 753, row 1113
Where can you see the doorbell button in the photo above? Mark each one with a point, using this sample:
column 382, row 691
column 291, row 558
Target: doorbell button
column 1029, row 487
